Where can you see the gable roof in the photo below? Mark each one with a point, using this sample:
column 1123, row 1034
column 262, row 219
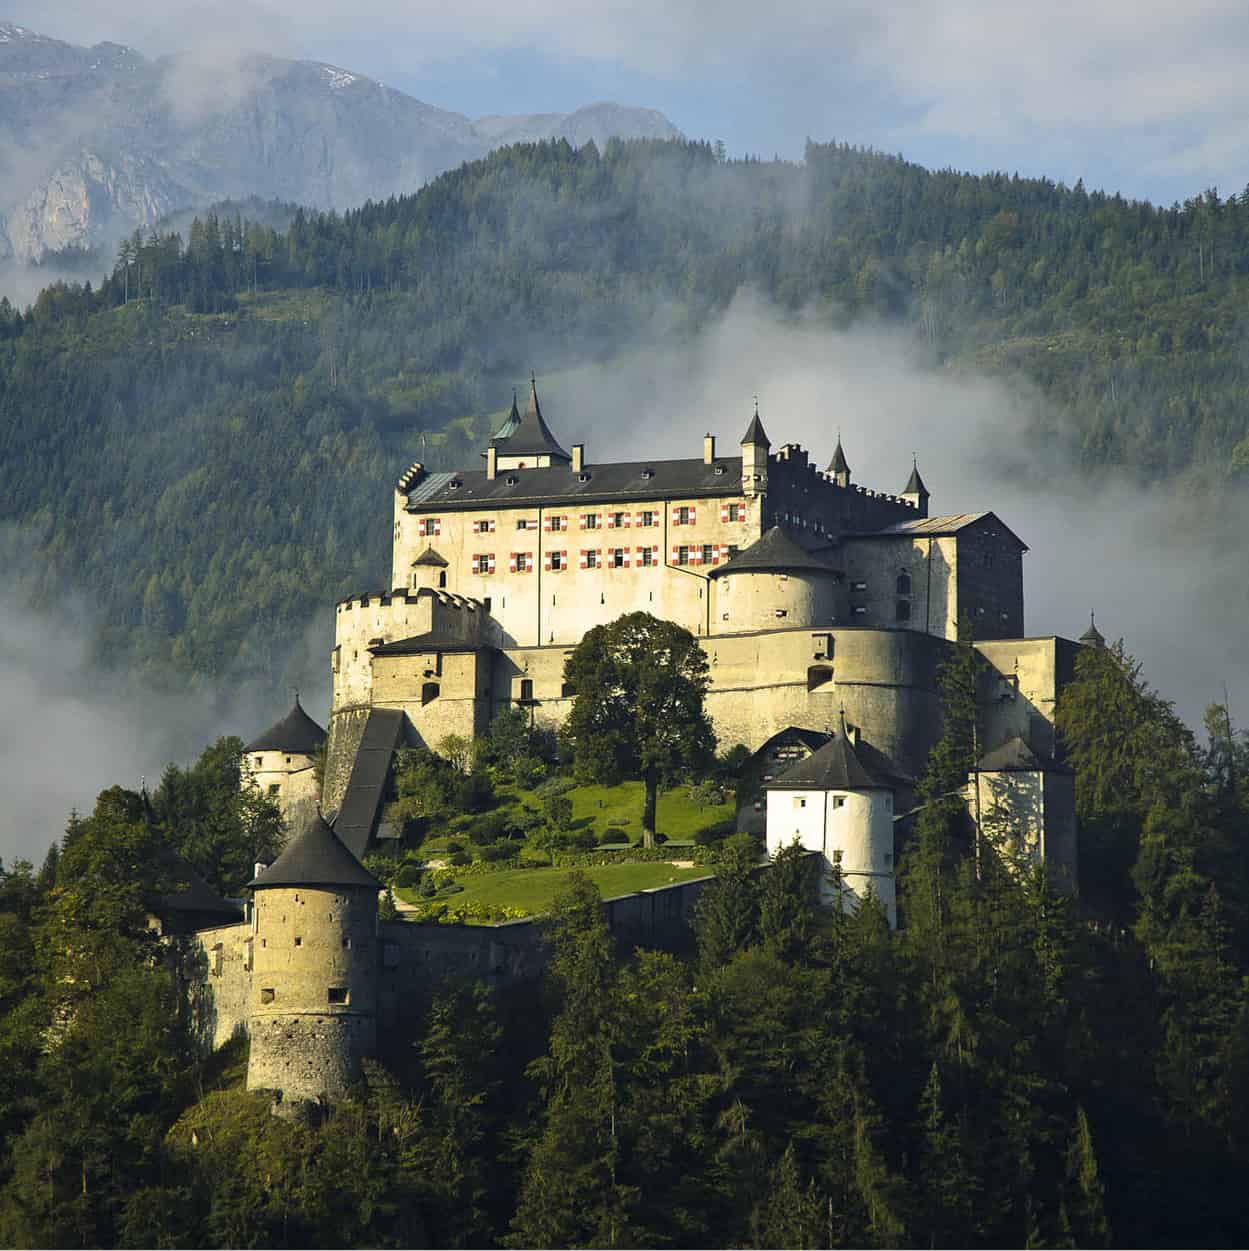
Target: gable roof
column 423, row 644
column 315, row 857
column 297, row 733
column 431, row 557
column 596, row 484
column 839, row 766
column 951, row 523
column 531, row 436
column 777, row 550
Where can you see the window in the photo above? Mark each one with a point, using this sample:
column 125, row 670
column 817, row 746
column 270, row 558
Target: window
column 836, row 855
column 736, row 512
column 731, row 550
column 904, row 584
column 800, row 801
column 839, row 801
column 442, row 579
column 617, row 521
column 346, row 942
column 267, row 995
column 647, row 518
column 429, row 692
column 557, row 560
column 859, row 611
column 429, row 527
column 299, row 942
column 525, row 524
column 526, row 690
column 567, row 690
column 483, row 562
column 682, row 517
column 483, row 527
column 647, row 555
column 218, row 959
column 683, row 555
column 591, row 559
column 338, row 994
column 707, row 554
column 590, row 521
column 274, row 787
column 902, row 610
column 260, row 760
column 520, row 562
column 782, row 612
column 618, row 558
column 818, row 675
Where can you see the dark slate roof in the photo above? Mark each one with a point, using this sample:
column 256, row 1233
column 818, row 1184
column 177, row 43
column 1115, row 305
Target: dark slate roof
column 952, row 523
column 297, row 733
column 419, row 644
column 532, row 436
column 196, row 896
column 839, row 463
column 1093, row 636
column 431, row 557
column 755, row 432
column 315, row 857
column 603, row 484
column 510, row 425
column 1016, row 756
column 813, row 739
column 776, row 550
column 915, row 484
column 838, row 766
column 361, row 809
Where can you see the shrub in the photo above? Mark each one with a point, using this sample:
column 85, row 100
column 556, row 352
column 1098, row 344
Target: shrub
column 488, row 828
column 454, row 847
column 711, row 834
column 497, row 852
column 610, row 835
column 529, row 771
column 459, row 858
column 409, row 875
column 555, row 786
column 557, row 809
column 660, row 838
column 475, row 793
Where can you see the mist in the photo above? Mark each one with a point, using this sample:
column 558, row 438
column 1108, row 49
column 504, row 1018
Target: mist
column 1162, row 566
column 71, row 729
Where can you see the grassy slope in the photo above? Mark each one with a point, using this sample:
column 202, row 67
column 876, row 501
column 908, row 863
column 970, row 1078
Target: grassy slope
column 535, row 889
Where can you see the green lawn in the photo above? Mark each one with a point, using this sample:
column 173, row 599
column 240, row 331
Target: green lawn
column 534, row 890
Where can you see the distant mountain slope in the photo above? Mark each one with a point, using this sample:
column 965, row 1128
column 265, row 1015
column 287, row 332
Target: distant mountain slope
column 96, row 141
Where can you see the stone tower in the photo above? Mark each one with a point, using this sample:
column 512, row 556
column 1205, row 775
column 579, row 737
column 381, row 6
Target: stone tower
column 915, row 492
column 281, row 762
column 839, row 466
column 313, row 1008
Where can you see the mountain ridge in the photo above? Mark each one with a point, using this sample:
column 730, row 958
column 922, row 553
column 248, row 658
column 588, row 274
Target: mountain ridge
column 97, row 141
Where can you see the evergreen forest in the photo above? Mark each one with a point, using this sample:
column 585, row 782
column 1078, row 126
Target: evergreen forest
column 200, row 446
column 1014, row 1067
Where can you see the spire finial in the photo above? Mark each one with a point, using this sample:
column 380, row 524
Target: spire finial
column 756, row 406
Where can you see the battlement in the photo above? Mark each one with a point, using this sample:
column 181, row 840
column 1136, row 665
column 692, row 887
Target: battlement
column 402, row 595
column 410, row 477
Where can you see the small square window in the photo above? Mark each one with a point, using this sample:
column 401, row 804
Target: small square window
column 338, row 994
column 800, row 801
column 299, row 942
column 837, row 855
column 267, row 995
column 839, row 801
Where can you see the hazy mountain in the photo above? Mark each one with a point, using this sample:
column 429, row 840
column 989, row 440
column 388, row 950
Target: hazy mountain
column 95, row 141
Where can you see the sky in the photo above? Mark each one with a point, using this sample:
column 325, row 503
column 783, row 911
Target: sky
column 1130, row 95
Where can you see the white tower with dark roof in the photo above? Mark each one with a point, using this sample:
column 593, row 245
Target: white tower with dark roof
column 281, row 762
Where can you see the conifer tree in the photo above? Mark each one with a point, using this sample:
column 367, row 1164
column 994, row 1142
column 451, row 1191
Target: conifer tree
column 726, row 918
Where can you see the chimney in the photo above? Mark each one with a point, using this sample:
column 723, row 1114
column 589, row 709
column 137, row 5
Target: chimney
column 492, row 463
column 709, row 448
column 578, row 457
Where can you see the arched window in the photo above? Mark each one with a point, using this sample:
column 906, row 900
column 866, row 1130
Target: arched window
column 442, row 579
column 904, row 584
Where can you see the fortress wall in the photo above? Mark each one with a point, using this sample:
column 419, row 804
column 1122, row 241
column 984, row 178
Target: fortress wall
column 460, row 704
column 217, row 967
column 346, row 733
column 873, row 566
column 1019, row 693
column 291, row 780
column 312, row 943
column 548, row 606
column 765, row 600
column 990, row 583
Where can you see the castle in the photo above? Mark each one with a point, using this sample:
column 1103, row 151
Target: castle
column 825, row 609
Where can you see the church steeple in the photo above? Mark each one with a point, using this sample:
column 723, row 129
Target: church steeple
column 1092, row 637
column 915, row 492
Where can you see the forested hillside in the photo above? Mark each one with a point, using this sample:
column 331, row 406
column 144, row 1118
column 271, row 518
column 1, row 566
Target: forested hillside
column 202, row 444
column 1012, row 1068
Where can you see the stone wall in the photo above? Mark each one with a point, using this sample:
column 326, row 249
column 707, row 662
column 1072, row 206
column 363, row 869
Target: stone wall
column 216, row 967
column 346, row 733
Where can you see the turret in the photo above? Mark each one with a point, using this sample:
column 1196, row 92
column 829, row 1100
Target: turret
column 915, row 492
column 755, row 445
column 839, row 467
column 1092, row 637
column 313, row 1008
column 429, row 569
column 281, row 763
column 526, row 442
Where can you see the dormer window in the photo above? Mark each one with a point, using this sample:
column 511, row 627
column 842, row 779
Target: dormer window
column 455, row 484
column 719, row 469
column 648, row 473
column 583, row 477
column 512, row 479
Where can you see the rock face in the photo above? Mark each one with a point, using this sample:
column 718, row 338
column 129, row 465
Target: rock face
column 96, row 141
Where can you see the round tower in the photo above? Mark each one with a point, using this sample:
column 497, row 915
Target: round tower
column 771, row 584
column 281, row 763
column 313, row 1007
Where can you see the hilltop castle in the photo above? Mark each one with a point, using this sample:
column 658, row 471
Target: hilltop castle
column 825, row 609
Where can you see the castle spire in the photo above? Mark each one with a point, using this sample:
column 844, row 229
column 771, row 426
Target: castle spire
column 1092, row 637
column 839, row 467
column 915, row 492
column 528, row 436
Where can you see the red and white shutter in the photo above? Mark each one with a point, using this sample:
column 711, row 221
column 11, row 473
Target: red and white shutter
column 546, row 523
column 715, row 554
column 563, row 560
column 611, row 521
column 511, row 562
column 625, row 557
column 546, row 562
column 437, row 526
column 696, row 555
column 724, row 512
column 676, row 551
column 676, row 516
column 583, row 564
column 627, row 518
column 693, row 514
column 490, row 563
column 655, row 553
column 638, row 519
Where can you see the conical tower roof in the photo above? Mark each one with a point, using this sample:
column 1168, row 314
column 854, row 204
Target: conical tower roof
column 1093, row 636
column 837, row 766
column 915, row 484
column 316, row 857
column 755, row 433
column 776, row 551
column 839, row 463
column 296, row 733
column 511, row 424
column 431, row 557
column 530, row 436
